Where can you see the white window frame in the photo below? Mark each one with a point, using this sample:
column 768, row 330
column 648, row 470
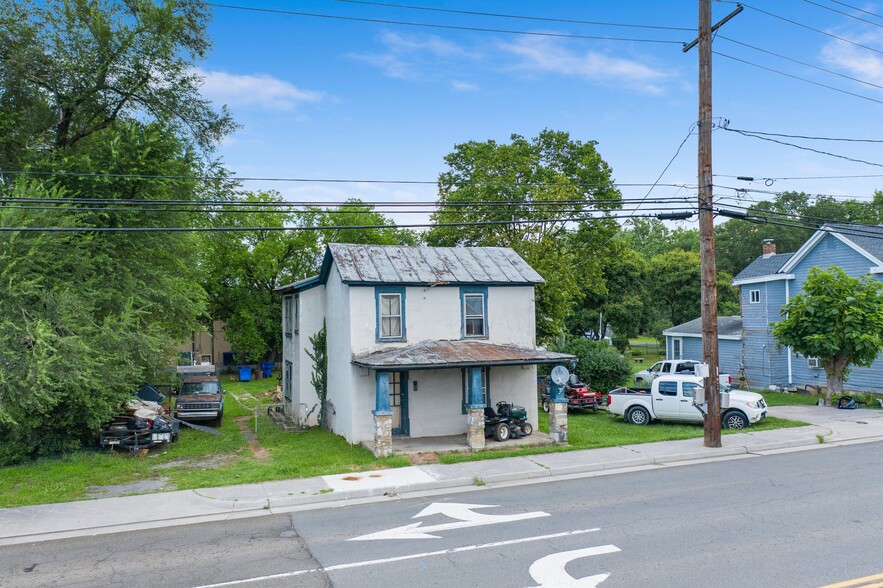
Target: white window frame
column 288, row 306
column 814, row 363
column 467, row 317
column 400, row 315
column 754, row 297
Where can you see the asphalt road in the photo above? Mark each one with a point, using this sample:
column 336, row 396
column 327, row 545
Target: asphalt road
column 803, row 519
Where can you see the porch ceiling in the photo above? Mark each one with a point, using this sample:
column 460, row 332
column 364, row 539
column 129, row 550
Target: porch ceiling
column 449, row 354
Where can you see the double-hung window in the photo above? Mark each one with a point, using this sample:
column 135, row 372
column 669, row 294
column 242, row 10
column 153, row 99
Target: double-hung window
column 390, row 314
column 474, row 309
column 288, row 311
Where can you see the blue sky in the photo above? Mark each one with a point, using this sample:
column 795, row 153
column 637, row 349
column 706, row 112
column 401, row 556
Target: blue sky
column 324, row 98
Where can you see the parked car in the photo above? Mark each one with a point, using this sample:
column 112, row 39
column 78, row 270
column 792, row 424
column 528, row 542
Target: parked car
column 671, row 398
column 675, row 367
column 201, row 398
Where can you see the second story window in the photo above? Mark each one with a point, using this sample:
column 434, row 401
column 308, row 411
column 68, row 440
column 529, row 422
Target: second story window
column 390, row 314
column 288, row 307
column 474, row 309
column 754, row 296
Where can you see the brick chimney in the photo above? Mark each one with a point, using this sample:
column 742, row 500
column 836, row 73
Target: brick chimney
column 768, row 246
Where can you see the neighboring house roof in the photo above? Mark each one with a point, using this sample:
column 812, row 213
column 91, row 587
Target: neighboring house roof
column 438, row 354
column 763, row 266
column 728, row 327
column 385, row 264
column 863, row 239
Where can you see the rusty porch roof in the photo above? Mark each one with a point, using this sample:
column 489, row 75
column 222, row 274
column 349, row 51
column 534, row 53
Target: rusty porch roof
column 449, row 354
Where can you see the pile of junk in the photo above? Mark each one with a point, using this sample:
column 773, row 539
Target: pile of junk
column 142, row 424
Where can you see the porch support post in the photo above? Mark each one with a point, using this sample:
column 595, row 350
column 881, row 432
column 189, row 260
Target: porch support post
column 475, row 411
column 382, row 417
column 557, row 414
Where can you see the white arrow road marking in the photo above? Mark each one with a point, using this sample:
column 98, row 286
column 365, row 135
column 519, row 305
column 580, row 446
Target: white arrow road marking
column 455, row 510
column 550, row 573
column 374, row 562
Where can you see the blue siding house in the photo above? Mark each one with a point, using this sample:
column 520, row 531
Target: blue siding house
column 765, row 286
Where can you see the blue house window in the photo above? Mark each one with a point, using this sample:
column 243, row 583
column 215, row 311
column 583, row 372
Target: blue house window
column 390, row 314
column 473, row 305
column 754, row 296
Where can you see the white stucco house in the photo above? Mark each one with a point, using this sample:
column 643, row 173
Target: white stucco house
column 420, row 340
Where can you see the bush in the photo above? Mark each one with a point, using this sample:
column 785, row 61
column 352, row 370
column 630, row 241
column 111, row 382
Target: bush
column 598, row 364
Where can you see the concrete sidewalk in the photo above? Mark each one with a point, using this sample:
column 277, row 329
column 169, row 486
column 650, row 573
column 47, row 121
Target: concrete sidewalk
column 111, row 515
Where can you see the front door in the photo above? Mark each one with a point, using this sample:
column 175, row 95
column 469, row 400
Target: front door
column 398, row 402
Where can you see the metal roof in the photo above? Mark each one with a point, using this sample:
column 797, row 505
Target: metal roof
column 378, row 264
column 727, row 326
column 764, row 266
column 448, row 354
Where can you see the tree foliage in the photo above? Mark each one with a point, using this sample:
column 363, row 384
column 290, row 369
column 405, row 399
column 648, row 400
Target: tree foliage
column 599, row 365
column 319, row 376
column 838, row 319
column 71, row 68
column 525, row 195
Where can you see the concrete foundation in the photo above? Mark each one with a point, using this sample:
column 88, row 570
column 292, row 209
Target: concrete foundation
column 475, row 429
column 558, row 422
column 382, row 435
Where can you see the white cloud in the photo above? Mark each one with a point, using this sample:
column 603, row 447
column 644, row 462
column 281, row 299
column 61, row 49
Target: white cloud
column 547, row 56
column 464, row 86
column 855, row 60
column 409, row 57
column 254, row 90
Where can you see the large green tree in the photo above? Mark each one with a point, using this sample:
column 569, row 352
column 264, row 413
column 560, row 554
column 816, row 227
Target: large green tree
column 70, row 68
column 528, row 195
column 674, row 282
column 838, row 319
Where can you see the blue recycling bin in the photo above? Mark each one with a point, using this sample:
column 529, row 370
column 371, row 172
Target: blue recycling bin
column 244, row 373
column 267, row 368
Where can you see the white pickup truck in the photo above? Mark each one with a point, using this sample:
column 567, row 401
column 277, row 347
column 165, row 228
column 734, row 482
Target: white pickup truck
column 671, row 367
column 671, row 398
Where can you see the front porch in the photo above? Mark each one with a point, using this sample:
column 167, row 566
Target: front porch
column 457, row 443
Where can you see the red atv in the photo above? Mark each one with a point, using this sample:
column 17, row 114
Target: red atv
column 577, row 393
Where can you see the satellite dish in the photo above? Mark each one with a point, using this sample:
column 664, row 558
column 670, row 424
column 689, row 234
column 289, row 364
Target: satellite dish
column 560, row 374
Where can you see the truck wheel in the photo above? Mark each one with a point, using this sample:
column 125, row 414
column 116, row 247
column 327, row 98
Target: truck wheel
column 735, row 420
column 546, row 405
column 502, row 432
column 638, row 416
column 526, row 428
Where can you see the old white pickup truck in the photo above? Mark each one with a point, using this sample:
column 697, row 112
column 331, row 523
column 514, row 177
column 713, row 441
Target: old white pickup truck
column 671, row 367
column 671, row 398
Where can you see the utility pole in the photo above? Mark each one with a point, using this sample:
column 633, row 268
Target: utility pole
column 706, row 224
column 706, row 233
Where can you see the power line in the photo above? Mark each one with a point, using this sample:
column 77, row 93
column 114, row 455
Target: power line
column 848, row 177
column 807, row 137
column 516, row 16
column 668, row 165
column 296, row 229
column 800, row 24
column 856, row 8
column 769, row 69
column 321, row 180
column 785, row 57
column 822, row 6
column 804, row 148
column 437, row 26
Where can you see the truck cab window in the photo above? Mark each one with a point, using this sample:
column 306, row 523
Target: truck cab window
column 668, row 388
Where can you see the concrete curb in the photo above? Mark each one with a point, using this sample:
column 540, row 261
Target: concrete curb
column 114, row 515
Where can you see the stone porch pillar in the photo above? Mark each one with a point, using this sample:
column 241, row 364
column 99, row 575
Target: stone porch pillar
column 382, row 417
column 475, row 412
column 557, row 414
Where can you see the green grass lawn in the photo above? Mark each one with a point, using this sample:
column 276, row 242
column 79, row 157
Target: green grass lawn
column 588, row 430
column 202, row 460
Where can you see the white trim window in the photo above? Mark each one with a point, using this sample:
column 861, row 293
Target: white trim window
column 474, row 315
column 754, row 296
column 288, row 311
column 390, row 316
